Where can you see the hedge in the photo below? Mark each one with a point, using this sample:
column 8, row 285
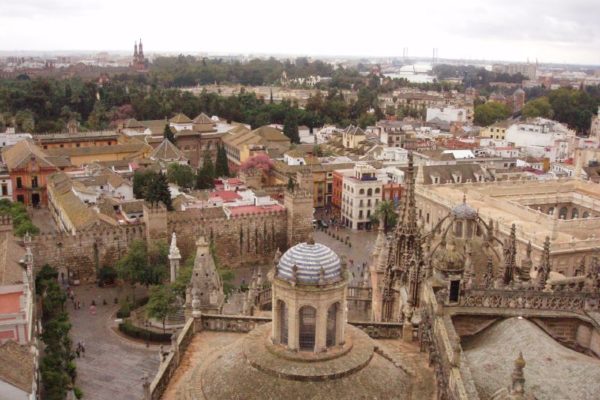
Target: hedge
column 144, row 334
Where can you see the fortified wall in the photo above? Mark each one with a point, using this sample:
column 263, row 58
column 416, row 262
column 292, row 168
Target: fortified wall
column 242, row 240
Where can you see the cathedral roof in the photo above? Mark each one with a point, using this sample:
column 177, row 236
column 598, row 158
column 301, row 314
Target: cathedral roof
column 309, row 259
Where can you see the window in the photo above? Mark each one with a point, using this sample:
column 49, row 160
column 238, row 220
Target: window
column 4, row 190
column 454, row 291
column 370, row 192
column 308, row 322
column 360, row 214
column 34, row 182
column 332, row 315
column 20, row 198
column 19, row 183
column 361, row 191
column 377, row 191
column 283, row 322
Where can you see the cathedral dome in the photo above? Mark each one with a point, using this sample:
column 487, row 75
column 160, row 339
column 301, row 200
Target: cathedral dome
column 309, row 259
column 464, row 211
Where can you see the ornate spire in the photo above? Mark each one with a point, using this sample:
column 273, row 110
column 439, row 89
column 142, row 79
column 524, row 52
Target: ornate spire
column 488, row 278
column 135, row 50
column 510, row 252
column 408, row 219
column 544, row 269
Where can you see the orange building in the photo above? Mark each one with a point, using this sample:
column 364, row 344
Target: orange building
column 393, row 192
column 28, row 168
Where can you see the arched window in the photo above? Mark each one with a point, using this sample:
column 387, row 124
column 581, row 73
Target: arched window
column 575, row 213
column 551, row 211
column 370, row 192
column 562, row 214
column 283, row 322
column 308, row 323
column 586, row 214
column 361, row 191
column 332, row 315
column 377, row 190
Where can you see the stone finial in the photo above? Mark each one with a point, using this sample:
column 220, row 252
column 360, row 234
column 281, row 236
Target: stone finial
column 174, row 253
column 277, row 256
column 518, row 377
column 322, row 276
column 294, row 274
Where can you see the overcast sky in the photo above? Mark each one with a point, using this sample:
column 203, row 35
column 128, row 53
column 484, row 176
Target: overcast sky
column 549, row 30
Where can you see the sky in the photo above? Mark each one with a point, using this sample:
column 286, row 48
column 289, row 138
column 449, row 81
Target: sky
column 560, row 31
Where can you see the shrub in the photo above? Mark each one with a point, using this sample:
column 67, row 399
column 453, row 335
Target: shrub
column 140, row 333
column 106, row 276
column 78, row 393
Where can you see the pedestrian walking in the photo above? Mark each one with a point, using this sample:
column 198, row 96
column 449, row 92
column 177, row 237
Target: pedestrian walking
column 82, row 348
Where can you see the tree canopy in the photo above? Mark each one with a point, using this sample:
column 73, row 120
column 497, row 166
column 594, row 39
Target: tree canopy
column 539, row 107
column 181, row 175
column 488, row 113
column 205, row 179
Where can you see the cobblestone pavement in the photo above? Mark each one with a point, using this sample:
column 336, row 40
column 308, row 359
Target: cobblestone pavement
column 113, row 367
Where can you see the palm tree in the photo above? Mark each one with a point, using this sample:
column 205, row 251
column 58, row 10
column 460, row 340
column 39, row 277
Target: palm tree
column 386, row 214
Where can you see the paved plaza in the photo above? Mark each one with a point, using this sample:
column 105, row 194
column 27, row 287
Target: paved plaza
column 113, row 367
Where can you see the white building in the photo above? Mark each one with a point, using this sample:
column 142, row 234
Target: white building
column 361, row 193
column 460, row 154
column 9, row 138
column 542, row 137
column 447, row 114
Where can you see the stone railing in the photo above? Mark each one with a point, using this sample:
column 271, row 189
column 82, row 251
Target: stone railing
column 155, row 389
column 438, row 337
column 529, row 299
column 230, row 323
column 379, row 330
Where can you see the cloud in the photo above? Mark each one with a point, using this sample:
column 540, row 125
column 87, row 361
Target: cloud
column 552, row 30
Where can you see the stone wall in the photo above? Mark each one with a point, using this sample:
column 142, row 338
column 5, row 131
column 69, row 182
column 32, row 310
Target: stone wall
column 155, row 389
column 239, row 241
column 84, row 253
column 243, row 240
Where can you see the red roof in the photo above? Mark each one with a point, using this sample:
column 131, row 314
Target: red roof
column 9, row 302
column 235, row 181
column 255, row 209
column 227, row 195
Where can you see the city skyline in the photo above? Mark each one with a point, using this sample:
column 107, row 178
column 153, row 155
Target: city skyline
column 551, row 32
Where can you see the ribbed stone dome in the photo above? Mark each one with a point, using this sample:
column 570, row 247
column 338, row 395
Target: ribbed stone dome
column 309, row 258
column 464, row 211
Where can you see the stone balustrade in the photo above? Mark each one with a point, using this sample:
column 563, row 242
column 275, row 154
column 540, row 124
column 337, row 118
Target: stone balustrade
column 530, row 299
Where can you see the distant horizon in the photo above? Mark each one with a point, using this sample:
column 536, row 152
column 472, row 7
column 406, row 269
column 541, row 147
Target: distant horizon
column 174, row 53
